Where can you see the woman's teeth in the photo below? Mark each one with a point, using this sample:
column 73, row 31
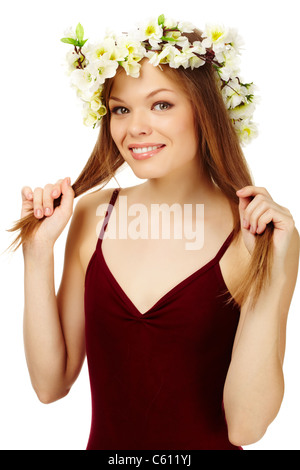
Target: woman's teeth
column 145, row 149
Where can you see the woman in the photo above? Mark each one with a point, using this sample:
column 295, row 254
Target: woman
column 185, row 347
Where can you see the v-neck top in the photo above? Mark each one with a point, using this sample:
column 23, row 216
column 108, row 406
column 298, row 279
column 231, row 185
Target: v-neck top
column 157, row 377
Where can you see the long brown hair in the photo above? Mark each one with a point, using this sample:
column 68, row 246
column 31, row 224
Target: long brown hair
column 221, row 156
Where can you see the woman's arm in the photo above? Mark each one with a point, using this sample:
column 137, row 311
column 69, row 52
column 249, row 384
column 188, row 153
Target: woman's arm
column 254, row 385
column 54, row 360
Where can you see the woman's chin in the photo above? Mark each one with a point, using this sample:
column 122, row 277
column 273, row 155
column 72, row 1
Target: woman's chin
column 146, row 173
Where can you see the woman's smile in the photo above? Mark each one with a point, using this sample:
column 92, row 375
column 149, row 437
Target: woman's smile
column 144, row 151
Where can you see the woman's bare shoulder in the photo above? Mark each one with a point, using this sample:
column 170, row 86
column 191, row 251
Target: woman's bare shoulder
column 88, row 202
column 87, row 219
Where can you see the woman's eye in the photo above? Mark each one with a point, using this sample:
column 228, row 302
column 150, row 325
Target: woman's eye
column 119, row 110
column 162, row 106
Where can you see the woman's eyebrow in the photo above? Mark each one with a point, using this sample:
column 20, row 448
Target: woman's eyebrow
column 152, row 93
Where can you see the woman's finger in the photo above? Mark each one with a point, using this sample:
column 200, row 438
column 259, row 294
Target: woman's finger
column 26, row 193
column 48, row 200
column 56, row 190
column 38, row 203
column 254, row 210
column 253, row 191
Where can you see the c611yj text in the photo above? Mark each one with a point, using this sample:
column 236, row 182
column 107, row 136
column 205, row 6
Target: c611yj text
column 156, row 459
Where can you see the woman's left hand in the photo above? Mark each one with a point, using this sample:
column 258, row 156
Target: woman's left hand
column 257, row 209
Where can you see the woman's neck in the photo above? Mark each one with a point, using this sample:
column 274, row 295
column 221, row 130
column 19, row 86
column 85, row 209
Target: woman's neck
column 184, row 185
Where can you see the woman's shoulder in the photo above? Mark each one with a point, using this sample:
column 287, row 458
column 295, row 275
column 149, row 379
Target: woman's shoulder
column 88, row 211
column 86, row 221
column 88, row 202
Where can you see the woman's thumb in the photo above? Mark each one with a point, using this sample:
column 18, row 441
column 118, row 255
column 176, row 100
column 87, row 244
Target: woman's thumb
column 67, row 194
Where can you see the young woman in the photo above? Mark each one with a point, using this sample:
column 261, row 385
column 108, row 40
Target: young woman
column 185, row 348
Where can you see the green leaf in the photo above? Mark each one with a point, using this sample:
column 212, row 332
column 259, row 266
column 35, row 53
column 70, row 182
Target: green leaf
column 246, row 85
column 72, row 41
column 82, row 43
column 164, row 38
column 79, row 32
column 161, row 20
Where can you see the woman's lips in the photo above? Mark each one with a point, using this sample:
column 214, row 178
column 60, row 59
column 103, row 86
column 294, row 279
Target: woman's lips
column 143, row 151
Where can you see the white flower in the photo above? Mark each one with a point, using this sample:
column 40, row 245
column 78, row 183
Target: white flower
column 72, row 61
column 235, row 40
column 175, row 33
column 131, row 67
column 150, row 55
column 89, row 79
column 109, row 33
column 198, row 48
column 233, row 94
column 83, row 79
column 239, row 99
column 103, row 69
column 104, row 49
column 96, row 101
column 243, row 111
column 182, row 60
column 154, row 57
column 246, row 130
column 169, row 23
column 152, row 32
column 183, row 42
column 166, row 56
column 194, row 60
column 233, row 61
column 186, row 27
column 89, row 117
column 225, row 73
column 107, row 50
column 215, row 37
column 131, row 48
column 92, row 117
column 183, row 57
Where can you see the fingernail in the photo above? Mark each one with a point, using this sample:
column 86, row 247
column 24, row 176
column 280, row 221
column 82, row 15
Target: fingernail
column 47, row 211
column 68, row 181
column 39, row 213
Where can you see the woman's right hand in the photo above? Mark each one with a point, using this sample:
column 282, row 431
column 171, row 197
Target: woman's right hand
column 41, row 202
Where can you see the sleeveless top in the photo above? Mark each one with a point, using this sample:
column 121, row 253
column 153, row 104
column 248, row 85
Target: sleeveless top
column 157, row 378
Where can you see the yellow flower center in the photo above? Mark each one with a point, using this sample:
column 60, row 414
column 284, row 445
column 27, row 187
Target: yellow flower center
column 100, row 52
column 150, row 30
column 216, row 35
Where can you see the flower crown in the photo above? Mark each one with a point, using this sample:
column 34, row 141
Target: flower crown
column 161, row 41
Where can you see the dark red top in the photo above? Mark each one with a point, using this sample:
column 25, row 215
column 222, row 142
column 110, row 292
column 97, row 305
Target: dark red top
column 157, row 378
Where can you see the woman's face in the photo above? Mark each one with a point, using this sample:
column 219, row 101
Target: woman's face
column 152, row 122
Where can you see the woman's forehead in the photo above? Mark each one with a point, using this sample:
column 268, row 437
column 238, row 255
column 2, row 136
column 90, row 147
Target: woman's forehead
column 151, row 78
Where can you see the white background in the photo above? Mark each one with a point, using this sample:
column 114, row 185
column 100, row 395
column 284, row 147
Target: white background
column 43, row 139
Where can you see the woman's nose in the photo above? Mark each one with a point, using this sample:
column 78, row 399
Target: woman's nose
column 139, row 124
